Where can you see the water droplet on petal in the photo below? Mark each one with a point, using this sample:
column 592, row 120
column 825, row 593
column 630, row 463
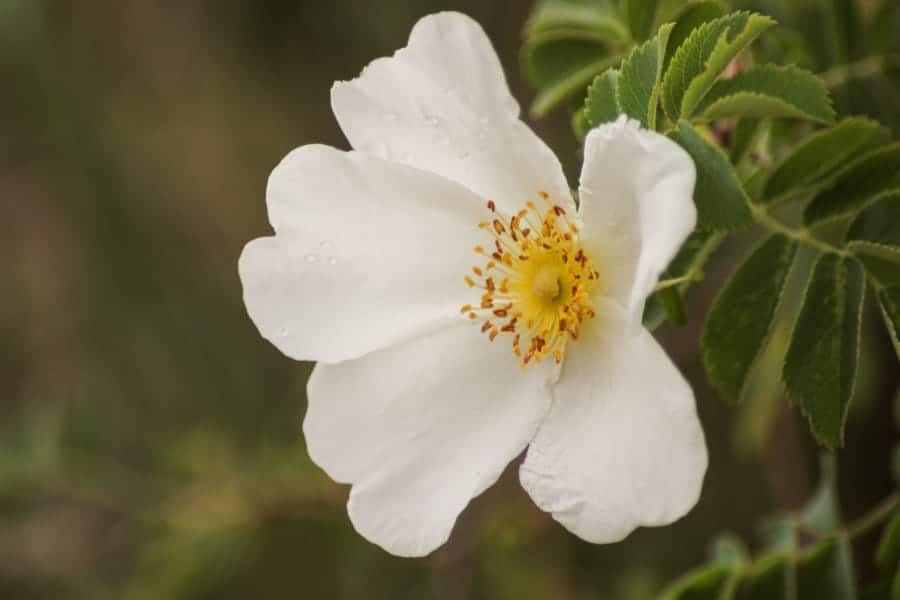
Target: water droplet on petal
column 433, row 121
column 310, row 258
column 325, row 244
column 389, row 116
column 332, row 261
column 283, row 332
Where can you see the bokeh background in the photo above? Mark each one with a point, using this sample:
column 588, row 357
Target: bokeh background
column 150, row 441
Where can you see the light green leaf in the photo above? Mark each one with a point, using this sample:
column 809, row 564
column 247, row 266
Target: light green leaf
column 742, row 315
column 601, row 106
column 640, row 15
column 769, row 91
column 888, row 555
column 703, row 56
column 870, row 177
column 820, row 367
column 637, row 93
column 889, row 300
column 597, row 16
column 826, row 572
column 706, row 583
column 580, row 124
column 876, row 230
column 722, row 204
column 690, row 18
column 770, row 578
column 821, row 154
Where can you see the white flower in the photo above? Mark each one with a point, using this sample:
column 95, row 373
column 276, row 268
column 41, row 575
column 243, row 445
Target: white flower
column 420, row 398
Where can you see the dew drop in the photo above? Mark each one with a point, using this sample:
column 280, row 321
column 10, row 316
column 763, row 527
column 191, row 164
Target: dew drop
column 332, row 261
column 389, row 116
column 310, row 258
column 433, row 121
column 325, row 244
column 283, row 332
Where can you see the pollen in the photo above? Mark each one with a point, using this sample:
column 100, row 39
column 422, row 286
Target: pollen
column 536, row 283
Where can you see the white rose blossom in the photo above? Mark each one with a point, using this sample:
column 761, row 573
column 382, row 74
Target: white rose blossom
column 461, row 309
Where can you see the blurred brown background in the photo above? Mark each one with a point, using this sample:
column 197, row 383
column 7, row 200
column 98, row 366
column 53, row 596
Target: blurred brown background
column 150, row 441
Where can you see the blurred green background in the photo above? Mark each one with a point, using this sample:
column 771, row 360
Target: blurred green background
column 150, row 441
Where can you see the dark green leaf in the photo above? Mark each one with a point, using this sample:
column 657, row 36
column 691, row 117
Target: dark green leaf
column 640, row 15
column 721, row 202
column 820, row 367
column 637, row 93
column 706, row 583
column 674, row 305
column 876, row 230
column 742, row 315
column 821, row 154
column 600, row 106
column 703, row 56
column 873, row 175
column 826, row 572
column 689, row 19
column 746, row 133
column 889, row 300
column 770, row 578
column 888, row 555
column 769, row 91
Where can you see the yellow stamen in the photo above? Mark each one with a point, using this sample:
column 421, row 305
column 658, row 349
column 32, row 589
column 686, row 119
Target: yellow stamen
column 546, row 281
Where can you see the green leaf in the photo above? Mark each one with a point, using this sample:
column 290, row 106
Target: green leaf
column 868, row 178
column 820, row 367
column 690, row 18
column 601, row 106
column 580, row 124
column 742, row 315
column 722, row 204
column 640, row 15
column 568, row 43
column 770, row 578
column 746, row 133
column 876, row 230
column 729, row 549
column 706, row 583
column 826, row 572
column 889, row 301
column 703, row 56
column 888, row 554
column 820, row 155
column 769, row 91
column 637, row 93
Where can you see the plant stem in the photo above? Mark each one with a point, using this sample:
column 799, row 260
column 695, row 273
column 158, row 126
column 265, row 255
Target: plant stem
column 689, row 277
column 762, row 217
column 875, row 517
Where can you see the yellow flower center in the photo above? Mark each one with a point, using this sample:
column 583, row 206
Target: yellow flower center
column 537, row 281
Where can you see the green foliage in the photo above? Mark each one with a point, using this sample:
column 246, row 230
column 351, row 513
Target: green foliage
column 637, row 92
column 889, row 301
column 826, row 573
column 888, row 555
column 722, row 204
column 742, row 315
column 746, row 133
column 707, row 583
column 819, row 155
column 769, row 91
column 702, row 58
column 640, row 15
column 689, row 19
column 567, row 44
column 820, row 367
column 875, row 229
column 601, row 105
column 868, row 178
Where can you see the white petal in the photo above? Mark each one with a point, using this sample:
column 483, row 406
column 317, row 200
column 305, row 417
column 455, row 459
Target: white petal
column 420, row 429
column 367, row 253
column 622, row 446
column 442, row 104
column 637, row 206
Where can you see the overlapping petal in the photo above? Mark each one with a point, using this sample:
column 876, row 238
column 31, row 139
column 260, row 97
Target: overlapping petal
column 622, row 446
column 367, row 253
column 636, row 201
column 442, row 104
column 421, row 428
